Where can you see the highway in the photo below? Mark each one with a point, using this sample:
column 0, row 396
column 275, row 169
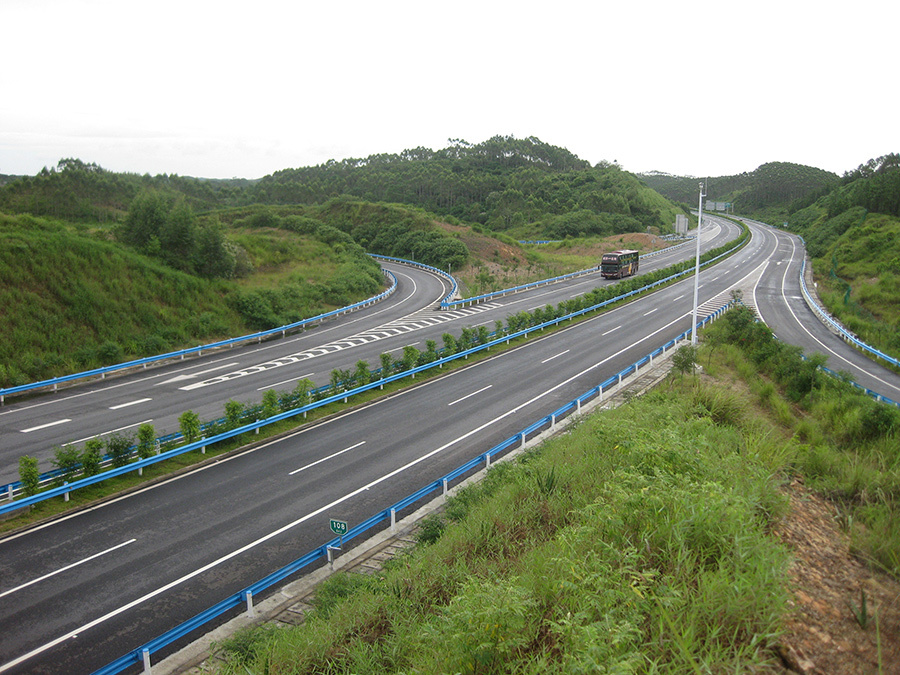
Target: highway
column 82, row 590
column 780, row 304
column 159, row 396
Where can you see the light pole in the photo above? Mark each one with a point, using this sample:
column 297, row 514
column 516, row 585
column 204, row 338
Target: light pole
column 697, row 270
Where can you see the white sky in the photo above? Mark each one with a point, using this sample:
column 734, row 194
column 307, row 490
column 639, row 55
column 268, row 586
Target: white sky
column 221, row 88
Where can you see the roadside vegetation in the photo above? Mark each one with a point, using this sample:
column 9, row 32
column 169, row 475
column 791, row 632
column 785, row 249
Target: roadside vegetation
column 120, row 266
column 74, row 298
column 640, row 541
column 850, row 225
column 118, row 450
column 852, row 233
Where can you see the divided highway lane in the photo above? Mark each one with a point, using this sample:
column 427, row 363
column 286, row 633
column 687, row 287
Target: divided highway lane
column 780, row 303
column 159, row 396
column 83, row 590
column 122, row 403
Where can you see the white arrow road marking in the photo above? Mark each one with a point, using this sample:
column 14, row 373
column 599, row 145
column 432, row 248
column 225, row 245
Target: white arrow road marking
column 191, row 376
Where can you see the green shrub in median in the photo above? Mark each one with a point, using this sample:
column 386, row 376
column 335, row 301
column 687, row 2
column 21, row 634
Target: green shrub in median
column 91, row 457
column 68, row 460
column 189, row 424
column 29, row 475
column 118, row 447
column 146, row 441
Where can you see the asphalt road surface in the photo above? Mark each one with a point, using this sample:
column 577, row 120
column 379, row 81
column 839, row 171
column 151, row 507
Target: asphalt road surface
column 81, row 591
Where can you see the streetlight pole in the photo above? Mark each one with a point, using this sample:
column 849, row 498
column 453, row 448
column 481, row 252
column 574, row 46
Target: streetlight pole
column 697, row 270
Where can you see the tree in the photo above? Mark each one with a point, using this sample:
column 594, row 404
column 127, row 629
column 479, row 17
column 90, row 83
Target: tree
column 146, row 217
column 189, row 423
column 146, row 441
column 91, row 457
column 684, row 359
column 410, row 357
column 361, row 375
column 30, row 475
column 68, row 460
column 177, row 236
column 212, row 256
column 118, row 446
column 234, row 414
column 386, row 365
column 302, row 391
column 449, row 344
column 270, row 403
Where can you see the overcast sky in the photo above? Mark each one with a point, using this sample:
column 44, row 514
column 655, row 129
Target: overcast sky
column 222, row 89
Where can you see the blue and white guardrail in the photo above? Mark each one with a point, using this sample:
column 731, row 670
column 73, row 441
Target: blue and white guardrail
column 245, row 597
column 842, row 332
column 102, row 372
column 450, row 303
column 11, row 490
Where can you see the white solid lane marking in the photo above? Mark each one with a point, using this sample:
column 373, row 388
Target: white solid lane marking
column 325, row 459
column 320, row 510
column 126, row 405
column 400, row 349
column 293, row 379
column 45, row 426
column 553, row 357
column 470, row 395
column 67, row 567
column 110, row 431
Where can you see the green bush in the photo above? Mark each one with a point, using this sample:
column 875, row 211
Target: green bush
column 29, row 475
column 91, row 457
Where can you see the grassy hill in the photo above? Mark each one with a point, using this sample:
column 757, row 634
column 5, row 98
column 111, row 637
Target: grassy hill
column 74, row 298
column 852, row 233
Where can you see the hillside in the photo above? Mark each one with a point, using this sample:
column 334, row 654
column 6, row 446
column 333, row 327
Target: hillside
column 86, row 192
column 524, row 187
column 771, row 186
column 852, row 234
column 75, row 299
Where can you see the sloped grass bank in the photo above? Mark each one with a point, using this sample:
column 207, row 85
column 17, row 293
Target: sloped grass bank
column 73, row 300
column 635, row 543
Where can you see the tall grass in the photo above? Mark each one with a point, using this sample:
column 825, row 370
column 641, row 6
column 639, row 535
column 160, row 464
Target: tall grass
column 851, row 443
column 73, row 299
column 636, row 542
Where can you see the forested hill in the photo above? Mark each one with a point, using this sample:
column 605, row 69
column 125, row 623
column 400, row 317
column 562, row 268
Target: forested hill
column 524, row 187
column 520, row 185
column 84, row 191
column 775, row 184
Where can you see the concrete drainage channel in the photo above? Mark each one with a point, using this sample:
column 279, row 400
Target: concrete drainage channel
column 289, row 605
